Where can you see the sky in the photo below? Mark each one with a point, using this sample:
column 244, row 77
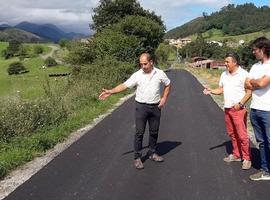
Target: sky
column 75, row 15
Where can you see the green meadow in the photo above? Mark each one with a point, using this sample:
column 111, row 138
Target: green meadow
column 215, row 34
column 29, row 85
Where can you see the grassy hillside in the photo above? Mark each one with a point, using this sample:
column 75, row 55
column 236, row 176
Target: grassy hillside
column 231, row 20
column 217, row 35
column 19, row 35
column 28, row 85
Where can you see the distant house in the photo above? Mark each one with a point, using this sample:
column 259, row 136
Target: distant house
column 180, row 42
column 216, row 42
column 203, row 62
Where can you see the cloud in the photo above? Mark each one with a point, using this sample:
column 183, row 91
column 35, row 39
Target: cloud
column 68, row 14
column 75, row 15
column 176, row 12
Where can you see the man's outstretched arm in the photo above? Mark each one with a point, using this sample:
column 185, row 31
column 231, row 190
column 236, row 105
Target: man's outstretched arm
column 106, row 93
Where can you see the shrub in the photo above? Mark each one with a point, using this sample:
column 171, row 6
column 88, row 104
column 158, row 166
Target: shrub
column 50, row 62
column 20, row 118
column 90, row 79
column 16, row 68
column 110, row 42
column 38, row 49
column 81, row 52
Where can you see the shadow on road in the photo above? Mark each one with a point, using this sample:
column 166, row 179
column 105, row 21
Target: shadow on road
column 227, row 144
column 255, row 153
column 162, row 147
column 166, row 146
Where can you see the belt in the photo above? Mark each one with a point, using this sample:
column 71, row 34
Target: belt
column 152, row 104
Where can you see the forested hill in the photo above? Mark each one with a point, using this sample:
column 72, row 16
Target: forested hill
column 231, row 19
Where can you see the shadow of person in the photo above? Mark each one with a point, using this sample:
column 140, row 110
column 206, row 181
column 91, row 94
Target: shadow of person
column 255, row 153
column 162, row 148
column 227, row 144
column 166, row 146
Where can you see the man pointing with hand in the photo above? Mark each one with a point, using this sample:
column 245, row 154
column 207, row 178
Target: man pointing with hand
column 149, row 102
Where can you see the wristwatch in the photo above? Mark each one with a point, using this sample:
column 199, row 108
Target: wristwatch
column 241, row 105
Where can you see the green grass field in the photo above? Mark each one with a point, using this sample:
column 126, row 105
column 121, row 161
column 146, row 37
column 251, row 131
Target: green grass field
column 28, row 85
column 217, row 35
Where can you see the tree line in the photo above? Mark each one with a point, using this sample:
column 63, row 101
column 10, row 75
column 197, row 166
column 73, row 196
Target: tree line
column 231, row 19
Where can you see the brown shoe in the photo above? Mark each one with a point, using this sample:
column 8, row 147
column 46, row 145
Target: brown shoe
column 138, row 163
column 246, row 164
column 156, row 158
column 231, row 158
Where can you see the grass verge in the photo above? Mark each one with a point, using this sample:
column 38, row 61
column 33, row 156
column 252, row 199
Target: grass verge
column 23, row 149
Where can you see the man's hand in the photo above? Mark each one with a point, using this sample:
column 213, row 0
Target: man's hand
column 237, row 107
column 105, row 94
column 161, row 103
column 207, row 91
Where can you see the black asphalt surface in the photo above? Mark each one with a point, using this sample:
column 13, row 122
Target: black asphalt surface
column 192, row 140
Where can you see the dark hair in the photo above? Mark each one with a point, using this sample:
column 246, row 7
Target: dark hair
column 234, row 56
column 262, row 43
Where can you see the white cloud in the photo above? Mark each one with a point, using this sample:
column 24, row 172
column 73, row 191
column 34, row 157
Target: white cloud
column 68, row 14
column 175, row 12
column 75, row 15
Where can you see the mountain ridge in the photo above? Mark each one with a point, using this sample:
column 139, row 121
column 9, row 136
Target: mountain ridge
column 48, row 32
column 231, row 19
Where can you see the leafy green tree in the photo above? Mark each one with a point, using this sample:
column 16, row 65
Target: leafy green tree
column 13, row 47
column 149, row 32
column 162, row 53
column 246, row 55
column 81, row 52
column 63, row 42
column 110, row 42
column 16, row 68
column 50, row 62
column 112, row 11
column 38, row 49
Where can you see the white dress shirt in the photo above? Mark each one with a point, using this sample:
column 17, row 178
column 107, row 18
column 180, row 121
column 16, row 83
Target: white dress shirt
column 233, row 86
column 148, row 85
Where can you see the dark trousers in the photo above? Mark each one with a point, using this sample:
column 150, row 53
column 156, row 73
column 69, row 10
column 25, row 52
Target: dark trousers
column 260, row 121
column 146, row 113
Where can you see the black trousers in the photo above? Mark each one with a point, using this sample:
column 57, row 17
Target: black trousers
column 146, row 113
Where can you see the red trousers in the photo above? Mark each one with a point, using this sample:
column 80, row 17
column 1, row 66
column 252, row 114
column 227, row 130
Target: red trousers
column 236, row 125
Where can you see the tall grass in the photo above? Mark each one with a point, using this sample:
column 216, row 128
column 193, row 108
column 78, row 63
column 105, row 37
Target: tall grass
column 29, row 127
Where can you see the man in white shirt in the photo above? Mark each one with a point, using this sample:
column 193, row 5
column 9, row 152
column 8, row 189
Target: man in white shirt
column 149, row 102
column 231, row 84
column 259, row 82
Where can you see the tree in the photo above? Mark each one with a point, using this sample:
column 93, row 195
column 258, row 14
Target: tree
column 148, row 31
column 50, row 62
column 162, row 53
column 13, row 47
column 112, row 11
column 38, row 49
column 16, row 68
column 63, row 42
column 81, row 52
column 111, row 42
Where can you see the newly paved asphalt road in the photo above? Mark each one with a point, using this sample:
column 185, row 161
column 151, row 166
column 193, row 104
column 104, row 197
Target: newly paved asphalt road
column 192, row 140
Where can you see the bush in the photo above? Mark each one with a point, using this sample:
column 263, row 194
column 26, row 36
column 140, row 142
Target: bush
column 81, row 52
column 20, row 118
column 16, row 68
column 110, row 42
column 49, row 62
column 38, row 49
column 90, row 79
